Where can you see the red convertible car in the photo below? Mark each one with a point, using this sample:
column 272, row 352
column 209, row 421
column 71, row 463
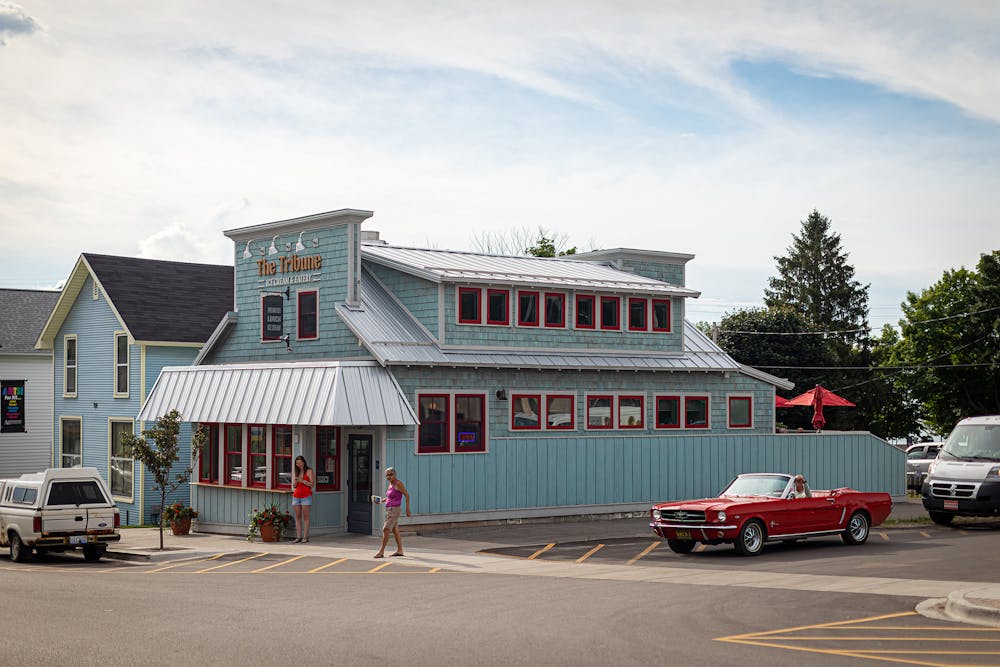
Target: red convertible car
column 762, row 507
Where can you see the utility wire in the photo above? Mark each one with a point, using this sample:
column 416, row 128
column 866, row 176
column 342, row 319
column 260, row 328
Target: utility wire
column 847, row 331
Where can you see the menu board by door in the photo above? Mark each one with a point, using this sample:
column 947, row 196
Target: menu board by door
column 12, row 404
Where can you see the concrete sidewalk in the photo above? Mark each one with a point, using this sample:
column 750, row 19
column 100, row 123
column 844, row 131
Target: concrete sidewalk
column 460, row 549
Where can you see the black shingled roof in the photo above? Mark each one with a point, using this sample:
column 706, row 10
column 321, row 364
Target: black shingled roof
column 23, row 313
column 166, row 301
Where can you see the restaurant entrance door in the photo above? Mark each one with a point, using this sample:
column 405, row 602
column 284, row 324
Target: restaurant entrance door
column 359, row 483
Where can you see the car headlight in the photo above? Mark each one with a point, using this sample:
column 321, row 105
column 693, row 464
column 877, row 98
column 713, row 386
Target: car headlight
column 656, row 515
column 721, row 516
column 995, row 470
column 931, row 466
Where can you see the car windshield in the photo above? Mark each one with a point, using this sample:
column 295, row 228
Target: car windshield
column 974, row 441
column 771, row 486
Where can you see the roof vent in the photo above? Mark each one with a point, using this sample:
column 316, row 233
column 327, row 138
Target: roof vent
column 370, row 236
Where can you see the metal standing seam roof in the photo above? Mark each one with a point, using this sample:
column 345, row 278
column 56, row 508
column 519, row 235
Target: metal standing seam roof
column 299, row 393
column 463, row 266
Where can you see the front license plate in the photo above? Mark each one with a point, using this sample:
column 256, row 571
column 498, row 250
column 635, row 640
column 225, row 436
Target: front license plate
column 683, row 534
column 951, row 504
column 77, row 539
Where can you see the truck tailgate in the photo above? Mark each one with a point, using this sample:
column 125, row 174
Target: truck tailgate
column 100, row 518
column 64, row 520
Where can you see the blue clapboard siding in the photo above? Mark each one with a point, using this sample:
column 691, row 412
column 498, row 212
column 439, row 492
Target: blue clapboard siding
column 230, row 508
column 529, row 473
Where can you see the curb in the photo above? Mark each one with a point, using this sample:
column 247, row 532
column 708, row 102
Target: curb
column 979, row 606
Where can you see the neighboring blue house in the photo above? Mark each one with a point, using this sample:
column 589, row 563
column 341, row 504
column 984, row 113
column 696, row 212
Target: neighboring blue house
column 118, row 321
column 500, row 388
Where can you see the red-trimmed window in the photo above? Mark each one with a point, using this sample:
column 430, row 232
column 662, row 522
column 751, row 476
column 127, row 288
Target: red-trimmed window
column 559, row 412
column 611, row 313
column 234, row 455
column 257, row 455
column 668, row 412
column 327, row 470
column 470, row 309
column 308, row 315
column 637, row 314
column 630, row 412
column 527, row 309
column 435, row 426
column 600, row 412
column 696, row 412
column 740, row 412
column 498, row 307
column 470, row 422
column 281, row 446
column 208, row 459
column 661, row 315
column 555, row 310
column 585, row 315
column 525, row 412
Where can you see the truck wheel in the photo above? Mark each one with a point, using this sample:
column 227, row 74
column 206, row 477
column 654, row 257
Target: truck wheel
column 857, row 529
column 942, row 518
column 92, row 554
column 681, row 546
column 19, row 552
column 750, row 540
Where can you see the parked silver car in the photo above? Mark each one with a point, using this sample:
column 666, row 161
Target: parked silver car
column 918, row 458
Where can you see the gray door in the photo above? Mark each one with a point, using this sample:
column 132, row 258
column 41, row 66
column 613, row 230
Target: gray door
column 359, row 483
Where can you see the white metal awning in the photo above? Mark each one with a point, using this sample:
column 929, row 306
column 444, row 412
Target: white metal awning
column 334, row 393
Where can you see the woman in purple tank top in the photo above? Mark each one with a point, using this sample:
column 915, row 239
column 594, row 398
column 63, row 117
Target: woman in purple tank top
column 394, row 496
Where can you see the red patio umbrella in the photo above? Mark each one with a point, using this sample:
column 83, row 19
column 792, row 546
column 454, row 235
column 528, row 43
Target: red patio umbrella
column 781, row 402
column 818, row 397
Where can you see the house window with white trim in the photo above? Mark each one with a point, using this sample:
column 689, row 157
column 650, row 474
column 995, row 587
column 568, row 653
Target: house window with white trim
column 257, row 455
column 661, row 315
column 470, row 423
column 71, row 445
column 585, row 315
column 308, row 315
column 281, row 451
column 498, row 307
column 637, row 314
column 234, row 455
column 208, row 458
column 740, row 412
column 122, row 463
column 560, row 414
column 555, row 310
column 470, row 310
column 69, row 366
column 600, row 412
column 121, row 365
column 435, row 423
column 610, row 313
column 525, row 412
column 527, row 309
column 696, row 412
column 630, row 411
column 668, row 412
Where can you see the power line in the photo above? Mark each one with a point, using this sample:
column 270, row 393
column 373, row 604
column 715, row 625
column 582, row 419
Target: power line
column 847, row 331
column 873, row 368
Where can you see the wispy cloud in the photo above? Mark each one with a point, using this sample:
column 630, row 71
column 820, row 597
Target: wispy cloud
column 15, row 21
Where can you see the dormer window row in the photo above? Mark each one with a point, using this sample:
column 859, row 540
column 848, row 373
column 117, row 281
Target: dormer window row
column 548, row 309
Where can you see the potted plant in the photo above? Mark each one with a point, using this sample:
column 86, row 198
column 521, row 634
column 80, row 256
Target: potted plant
column 268, row 522
column 179, row 517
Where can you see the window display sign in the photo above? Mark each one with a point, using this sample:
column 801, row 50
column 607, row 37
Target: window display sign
column 12, row 404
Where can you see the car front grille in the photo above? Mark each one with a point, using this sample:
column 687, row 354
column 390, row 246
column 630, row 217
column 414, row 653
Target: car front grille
column 682, row 516
column 967, row 490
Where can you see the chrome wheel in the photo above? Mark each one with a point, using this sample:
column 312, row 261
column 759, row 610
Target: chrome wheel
column 857, row 529
column 750, row 541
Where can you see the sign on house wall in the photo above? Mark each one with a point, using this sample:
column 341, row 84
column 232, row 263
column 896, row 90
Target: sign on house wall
column 273, row 317
column 12, row 397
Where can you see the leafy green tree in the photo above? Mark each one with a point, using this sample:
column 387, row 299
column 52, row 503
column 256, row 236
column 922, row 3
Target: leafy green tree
column 952, row 330
column 885, row 398
column 546, row 247
column 157, row 450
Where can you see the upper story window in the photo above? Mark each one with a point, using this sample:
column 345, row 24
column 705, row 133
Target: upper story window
column 637, row 314
column 555, row 309
column 272, row 317
column 121, row 365
column 308, row 315
column 208, row 459
column 435, row 423
column 498, row 307
column 281, row 447
column 120, row 476
column 71, row 447
column 327, row 470
column 470, row 309
column 69, row 366
column 585, row 311
column 527, row 309
column 610, row 313
column 661, row 315
column 740, row 412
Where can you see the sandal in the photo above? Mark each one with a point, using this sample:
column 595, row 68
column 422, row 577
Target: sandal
column 379, row 555
column 397, row 554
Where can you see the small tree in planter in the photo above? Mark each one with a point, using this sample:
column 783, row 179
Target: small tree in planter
column 157, row 450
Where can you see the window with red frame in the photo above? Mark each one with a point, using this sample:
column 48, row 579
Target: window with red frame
column 208, row 458
column 234, row 455
column 600, row 412
column 585, row 316
column 555, row 310
column 696, row 412
column 630, row 412
column 281, row 445
column 308, row 315
column 559, row 413
column 740, row 412
column 498, row 307
column 610, row 313
column 661, row 315
column 525, row 412
column 327, row 470
column 469, row 308
column 668, row 412
column 257, row 455
column 637, row 315
column 435, row 428
column 470, row 422
column 527, row 309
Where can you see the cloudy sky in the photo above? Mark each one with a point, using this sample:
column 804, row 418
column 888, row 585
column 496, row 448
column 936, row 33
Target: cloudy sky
column 713, row 128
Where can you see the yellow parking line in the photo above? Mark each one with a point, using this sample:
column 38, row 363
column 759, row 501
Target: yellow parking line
column 643, row 553
column 235, row 562
column 589, row 553
column 541, row 551
column 379, row 567
column 186, row 561
column 330, row 564
column 884, row 536
column 279, row 563
column 433, row 570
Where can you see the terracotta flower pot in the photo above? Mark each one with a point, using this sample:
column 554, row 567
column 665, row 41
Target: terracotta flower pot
column 268, row 533
column 181, row 526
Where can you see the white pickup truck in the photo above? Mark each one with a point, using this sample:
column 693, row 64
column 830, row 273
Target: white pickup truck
column 57, row 510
